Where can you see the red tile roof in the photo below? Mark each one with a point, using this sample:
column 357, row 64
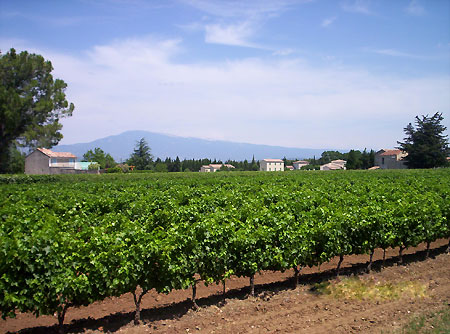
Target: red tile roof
column 273, row 160
column 52, row 154
column 391, row 152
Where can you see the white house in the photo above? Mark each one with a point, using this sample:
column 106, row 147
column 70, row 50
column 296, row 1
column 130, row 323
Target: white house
column 390, row 159
column 271, row 165
column 299, row 164
column 334, row 165
column 214, row 167
column 341, row 163
column 205, row 169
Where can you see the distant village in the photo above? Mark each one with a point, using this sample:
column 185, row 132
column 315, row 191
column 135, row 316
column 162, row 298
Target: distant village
column 46, row 161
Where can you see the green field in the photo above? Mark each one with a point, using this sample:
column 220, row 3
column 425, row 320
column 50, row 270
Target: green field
column 72, row 240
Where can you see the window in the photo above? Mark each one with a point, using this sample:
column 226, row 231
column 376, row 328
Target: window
column 71, row 160
column 54, row 161
column 382, row 161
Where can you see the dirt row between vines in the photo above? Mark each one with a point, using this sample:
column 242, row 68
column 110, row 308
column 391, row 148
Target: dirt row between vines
column 277, row 307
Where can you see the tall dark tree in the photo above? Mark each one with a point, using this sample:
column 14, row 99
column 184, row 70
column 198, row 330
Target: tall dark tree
column 367, row 159
column 31, row 103
column 426, row 145
column 354, row 160
column 141, row 157
column 15, row 162
column 254, row 164
column 176, row 165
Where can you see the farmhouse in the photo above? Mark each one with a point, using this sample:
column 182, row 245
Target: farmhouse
column 390, row 159
column 214, row 167
column 45, row 161
column 271, row 165
column 299, row 164
column 334, row 165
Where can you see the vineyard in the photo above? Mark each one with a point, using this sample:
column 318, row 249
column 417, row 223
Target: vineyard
column 72, row 240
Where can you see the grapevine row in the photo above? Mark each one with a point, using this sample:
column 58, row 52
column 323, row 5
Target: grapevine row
column 71, row 241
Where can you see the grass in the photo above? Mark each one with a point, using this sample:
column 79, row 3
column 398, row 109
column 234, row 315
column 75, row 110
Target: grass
column 356, row 288
column 431, row 323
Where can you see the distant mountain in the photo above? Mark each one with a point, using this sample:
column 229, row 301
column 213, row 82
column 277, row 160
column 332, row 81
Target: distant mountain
column 162, row 146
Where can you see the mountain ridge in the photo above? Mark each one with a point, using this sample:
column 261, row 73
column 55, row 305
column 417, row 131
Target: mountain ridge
column 121, row 146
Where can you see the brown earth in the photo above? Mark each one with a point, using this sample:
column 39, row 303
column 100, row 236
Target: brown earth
column 277, row 307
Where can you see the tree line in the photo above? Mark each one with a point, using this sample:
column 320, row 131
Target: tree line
column 355, row 159
column 142, row 160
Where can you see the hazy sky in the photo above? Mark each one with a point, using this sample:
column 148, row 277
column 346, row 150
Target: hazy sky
column 336, row 74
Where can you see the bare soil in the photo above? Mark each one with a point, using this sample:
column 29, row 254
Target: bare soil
column 277, row 307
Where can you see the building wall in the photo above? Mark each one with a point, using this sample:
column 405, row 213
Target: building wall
column 389, row 162
column 299, row 165
column 61, row 170
column 62, row 162
column 271, row 166
column 37, row 163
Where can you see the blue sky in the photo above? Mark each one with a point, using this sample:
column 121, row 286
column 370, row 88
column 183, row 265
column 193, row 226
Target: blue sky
column 336, row 74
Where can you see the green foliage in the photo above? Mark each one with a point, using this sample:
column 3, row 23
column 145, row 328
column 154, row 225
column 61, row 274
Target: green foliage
column 426, row 145
column 94, row 166
column 354, row 160
column 98, row 155
column 70, row 240
column 115, row 169
column 359, row 160
column 310, row 167
column 141, row 157
column 328, row 156
column 161, row 167
column 15, row 160
column 31, row 103
column 175, row 166
column 124, row 167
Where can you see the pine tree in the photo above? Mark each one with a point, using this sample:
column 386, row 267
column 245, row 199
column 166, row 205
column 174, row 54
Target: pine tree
column 141, row 157
column 425, row 144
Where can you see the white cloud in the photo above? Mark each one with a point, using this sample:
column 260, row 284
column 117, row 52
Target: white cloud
column 328, row 21
column 136, row 84
column 234, row 34
column 414, row 8
column 236, row 22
